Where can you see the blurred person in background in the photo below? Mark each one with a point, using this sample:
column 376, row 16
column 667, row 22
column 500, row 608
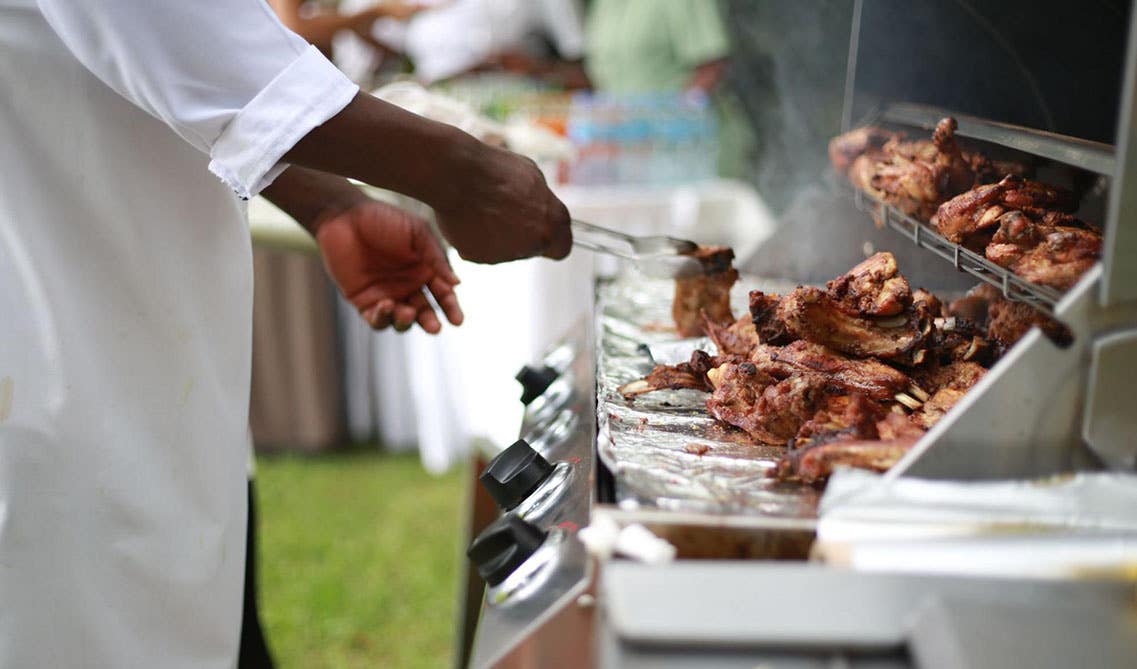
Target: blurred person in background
column 543, row 39
column 133, row 134
column 667, row 46
column 343, row 31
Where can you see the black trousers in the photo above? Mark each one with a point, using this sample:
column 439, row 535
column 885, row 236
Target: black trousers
column 254, row 651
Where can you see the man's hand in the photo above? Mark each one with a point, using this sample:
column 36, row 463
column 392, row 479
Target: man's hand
column 383, row 259
column 506, row 211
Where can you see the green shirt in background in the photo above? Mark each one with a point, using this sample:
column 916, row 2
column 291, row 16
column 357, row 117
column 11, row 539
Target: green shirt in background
column 643, row 46
column 652, row 46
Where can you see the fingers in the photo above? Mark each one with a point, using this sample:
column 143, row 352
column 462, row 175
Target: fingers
column 443, row 293
column 379, row 317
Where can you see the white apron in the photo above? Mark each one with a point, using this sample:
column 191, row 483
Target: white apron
column 125, row 309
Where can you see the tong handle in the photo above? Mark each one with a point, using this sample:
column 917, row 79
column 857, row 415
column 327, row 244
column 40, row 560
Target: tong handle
column 603, row 240
column 607, row 240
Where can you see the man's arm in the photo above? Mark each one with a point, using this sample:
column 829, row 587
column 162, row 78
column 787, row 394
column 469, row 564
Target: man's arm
column 491, row 204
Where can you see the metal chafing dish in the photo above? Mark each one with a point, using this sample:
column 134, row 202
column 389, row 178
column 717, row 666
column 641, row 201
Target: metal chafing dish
column 1040, row 410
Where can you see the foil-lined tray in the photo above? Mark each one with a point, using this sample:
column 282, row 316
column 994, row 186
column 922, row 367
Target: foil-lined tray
column 663, row 448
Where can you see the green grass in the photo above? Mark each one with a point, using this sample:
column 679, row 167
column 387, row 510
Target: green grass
column 358, row 560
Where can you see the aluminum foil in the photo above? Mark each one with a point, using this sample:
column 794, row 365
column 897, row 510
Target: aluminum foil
column 663, row 448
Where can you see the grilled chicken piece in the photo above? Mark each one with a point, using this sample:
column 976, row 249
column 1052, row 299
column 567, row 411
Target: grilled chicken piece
column 816, row 463
column 739, row 338
column 851, row 416
column 1008, row 321
column 1058, row 260
column 869, row 377
column 707, row 294
column 812, row 315
column 691, row 374
column 764, row 314
column 867, row 141
column 917, row 177
column 769, row 409
column 875, row 287
column 968, row 215
column 973, row 306
column 947, row 384
column 1005, row 321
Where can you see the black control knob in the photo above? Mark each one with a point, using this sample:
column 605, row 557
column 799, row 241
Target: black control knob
column 534, row 381
column 515, row 473
column 503, row 546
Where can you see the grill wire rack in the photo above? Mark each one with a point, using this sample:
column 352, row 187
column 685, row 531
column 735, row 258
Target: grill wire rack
column 965, row 260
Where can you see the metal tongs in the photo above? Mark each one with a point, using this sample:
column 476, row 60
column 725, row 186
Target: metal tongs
column 655, row 255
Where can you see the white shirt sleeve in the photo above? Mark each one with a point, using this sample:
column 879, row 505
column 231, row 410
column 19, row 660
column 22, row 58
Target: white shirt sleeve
column 227, row 77
column 562, row 19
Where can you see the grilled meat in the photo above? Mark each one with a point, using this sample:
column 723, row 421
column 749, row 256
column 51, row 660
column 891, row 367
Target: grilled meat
column 1058, row 257
column 814, row 316
column 739, row 338
column 816, row 463
column 916, row 177
column 865, row 142
column 707, row 295
column 1005, row 321
column 764, row 314
column 1008, row 321
column 769, row 409
column 851, row 416
column 1025, row 226
column 869, row 377
column 875, row 287
column 691, row 374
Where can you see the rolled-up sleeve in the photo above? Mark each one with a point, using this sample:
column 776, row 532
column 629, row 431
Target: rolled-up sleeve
column 227, row 77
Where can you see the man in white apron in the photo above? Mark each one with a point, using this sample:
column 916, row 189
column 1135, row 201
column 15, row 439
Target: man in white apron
column 130, row 131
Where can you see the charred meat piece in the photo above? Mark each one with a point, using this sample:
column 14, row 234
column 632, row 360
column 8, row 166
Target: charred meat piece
column 898, row 425
column 936, row 406
column 869, row 377
column 816, row 463
column 954, row 338
column 769, row 409
column 875, row 287
column 947, row 383
column 1008, row 321
column 867, row 141
column 708, row 293
column 973, row 306
column 764, row 314
column 843, row 417
column 968, row 215
column 812, row 315
column 958, row 375
column 739, row 338
column 691, row 374
column 916, row 177
column 1060, row 259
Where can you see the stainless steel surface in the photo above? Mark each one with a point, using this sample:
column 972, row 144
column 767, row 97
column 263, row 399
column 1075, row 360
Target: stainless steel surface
column 1120, row 253
column 1092, row 156
column 927, row 237
column 707, row 605
column 561, row 426
column 663, row 448
column 655, row 255
column 1110, row 426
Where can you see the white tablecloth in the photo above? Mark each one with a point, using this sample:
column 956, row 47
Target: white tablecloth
column 440, row 393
